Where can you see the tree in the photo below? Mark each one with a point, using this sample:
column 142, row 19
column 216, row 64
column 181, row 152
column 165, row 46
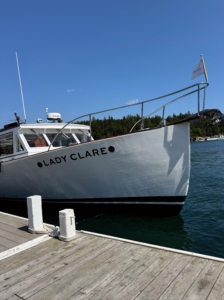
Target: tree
column 109, row 127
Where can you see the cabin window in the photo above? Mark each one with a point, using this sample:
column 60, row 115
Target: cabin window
column 19, row 146
column 82, row 137
column 62, row 140
column 35, row 140
column 6, row 144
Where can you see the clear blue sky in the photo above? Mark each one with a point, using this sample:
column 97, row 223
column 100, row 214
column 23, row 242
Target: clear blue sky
column 81, row 56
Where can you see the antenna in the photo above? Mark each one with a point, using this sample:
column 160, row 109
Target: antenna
column 21, row 90
column 46, row 112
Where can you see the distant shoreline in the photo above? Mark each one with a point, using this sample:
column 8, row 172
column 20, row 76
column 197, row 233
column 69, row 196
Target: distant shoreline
column 207, row 138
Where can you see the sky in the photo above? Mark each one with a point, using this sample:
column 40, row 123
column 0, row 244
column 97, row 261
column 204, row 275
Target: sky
column 77, row 57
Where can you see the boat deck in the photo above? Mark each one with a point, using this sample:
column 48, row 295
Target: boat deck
column 99, row 267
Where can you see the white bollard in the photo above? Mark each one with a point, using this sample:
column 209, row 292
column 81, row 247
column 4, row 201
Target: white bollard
column 35, row 218
column 67, row 225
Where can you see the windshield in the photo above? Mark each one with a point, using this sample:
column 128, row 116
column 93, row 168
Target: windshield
column 62, row 140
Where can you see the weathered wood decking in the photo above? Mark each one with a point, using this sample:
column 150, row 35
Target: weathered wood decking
column 13, row 232
column 96, row 267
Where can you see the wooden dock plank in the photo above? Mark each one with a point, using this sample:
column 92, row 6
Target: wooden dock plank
column 156, row 288
column 13, row 220
column 13, row 232
column 124, row 278
column 100, row 264
column 14, row 225
column 218, row 289
column 6, row 242
column 94, row 274
column 39, row 270
column 202, row 286
column 30, row 258
column 26, row 256
column 13, row 237
column 2, row 248
column 184, row 280
column 67, row 266
column 14, row 297
column 56, row 254
column 23, row 232
column 66, row 269
column 140, row 282
column 91, row 286
column 97, row 267
column 91, row 267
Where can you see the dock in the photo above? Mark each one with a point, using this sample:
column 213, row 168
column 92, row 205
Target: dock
column 14, row 236
column 94, row 266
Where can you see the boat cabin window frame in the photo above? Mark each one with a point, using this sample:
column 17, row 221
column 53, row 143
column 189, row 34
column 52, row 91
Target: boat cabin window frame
column 7, row 149
column 19, row 146
column 62, row 139
column 83, row 136
column 35, row 140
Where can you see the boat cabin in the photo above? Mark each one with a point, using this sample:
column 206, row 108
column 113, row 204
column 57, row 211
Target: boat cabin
column 19, row 140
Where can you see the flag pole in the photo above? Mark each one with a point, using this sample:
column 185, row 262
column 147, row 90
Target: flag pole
column 205, row 72
column 206, row 78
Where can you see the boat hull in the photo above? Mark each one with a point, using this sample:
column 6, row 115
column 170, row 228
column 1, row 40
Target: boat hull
column 148, row 169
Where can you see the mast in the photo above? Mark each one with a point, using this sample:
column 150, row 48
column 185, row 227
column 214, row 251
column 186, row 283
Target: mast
column 21, row 90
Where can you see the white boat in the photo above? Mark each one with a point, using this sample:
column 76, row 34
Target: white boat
column 147, row 170
column 215, row 138
column 208, row 138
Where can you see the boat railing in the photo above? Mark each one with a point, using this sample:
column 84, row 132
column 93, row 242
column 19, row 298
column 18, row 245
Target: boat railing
column 205, row 84
column 198, row 87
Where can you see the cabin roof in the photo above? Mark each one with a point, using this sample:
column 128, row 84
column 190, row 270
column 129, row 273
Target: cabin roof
column 46, row 126
column 54, row 126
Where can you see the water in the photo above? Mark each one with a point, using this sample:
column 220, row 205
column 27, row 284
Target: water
column 200, row 226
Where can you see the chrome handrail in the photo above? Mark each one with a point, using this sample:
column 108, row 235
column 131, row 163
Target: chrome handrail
column 199, row 88
column 174, row 100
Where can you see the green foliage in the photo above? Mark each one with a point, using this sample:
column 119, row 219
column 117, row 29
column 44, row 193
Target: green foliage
column 112, row 127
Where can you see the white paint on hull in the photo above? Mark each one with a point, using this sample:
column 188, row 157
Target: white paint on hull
column 144, row 164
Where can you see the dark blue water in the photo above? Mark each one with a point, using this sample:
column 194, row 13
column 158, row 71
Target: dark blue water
column 200, row 226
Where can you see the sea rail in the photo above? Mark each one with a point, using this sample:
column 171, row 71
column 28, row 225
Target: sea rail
column 195, row 88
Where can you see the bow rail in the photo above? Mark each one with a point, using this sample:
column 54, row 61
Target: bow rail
column 199, row 87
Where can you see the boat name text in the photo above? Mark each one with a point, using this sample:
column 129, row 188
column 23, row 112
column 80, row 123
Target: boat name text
column 75, row 156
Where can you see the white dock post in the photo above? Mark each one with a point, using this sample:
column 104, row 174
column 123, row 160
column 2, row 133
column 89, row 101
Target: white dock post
column 67, row 225
column 35, row 218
